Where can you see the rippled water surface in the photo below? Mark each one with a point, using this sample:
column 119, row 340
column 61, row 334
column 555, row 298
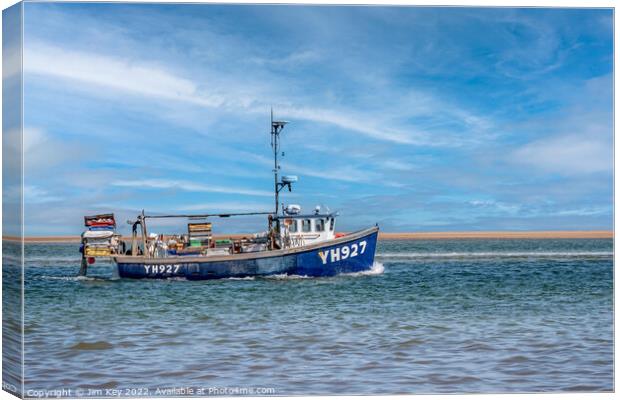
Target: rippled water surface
column 443, row 316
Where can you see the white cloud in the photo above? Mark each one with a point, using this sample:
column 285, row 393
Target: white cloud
column 369, row 127
column 33, row 137
column 293, row 59
column 12, row 61
column 492, row 205
column 345, row 174
column 397, row 165
column 226, row 206
column 338, row 173
column 188, row 186
column 567, row 155
column 36, row 195
column 584, row 211
column 41, row 150
column 116, row 73
column 158, row 83
column 12, row 140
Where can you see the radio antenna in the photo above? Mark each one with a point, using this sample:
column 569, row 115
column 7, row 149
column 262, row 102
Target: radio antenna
column 276, row 129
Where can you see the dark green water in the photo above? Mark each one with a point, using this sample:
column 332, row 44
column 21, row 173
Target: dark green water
column 469, row 316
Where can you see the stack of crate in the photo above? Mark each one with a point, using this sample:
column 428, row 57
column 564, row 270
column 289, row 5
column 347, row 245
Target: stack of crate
column 199, row 234
column 100, row 238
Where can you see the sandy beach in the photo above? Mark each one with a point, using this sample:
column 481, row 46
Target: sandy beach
column 394, row 236
column 498, row 235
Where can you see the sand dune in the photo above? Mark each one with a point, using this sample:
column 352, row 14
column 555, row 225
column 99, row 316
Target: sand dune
column 498, row 235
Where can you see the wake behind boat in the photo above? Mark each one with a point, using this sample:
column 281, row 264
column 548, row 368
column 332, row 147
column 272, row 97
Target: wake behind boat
column 295, row 243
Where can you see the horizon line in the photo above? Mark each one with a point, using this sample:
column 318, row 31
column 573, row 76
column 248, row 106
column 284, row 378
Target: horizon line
column 495, row 234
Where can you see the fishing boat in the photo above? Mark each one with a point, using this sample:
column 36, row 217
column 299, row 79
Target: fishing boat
column 295, row 242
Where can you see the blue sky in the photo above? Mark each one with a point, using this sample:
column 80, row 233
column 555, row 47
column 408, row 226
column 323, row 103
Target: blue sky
column 420, row 119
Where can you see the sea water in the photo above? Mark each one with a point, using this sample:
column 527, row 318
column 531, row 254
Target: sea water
column 437, row 316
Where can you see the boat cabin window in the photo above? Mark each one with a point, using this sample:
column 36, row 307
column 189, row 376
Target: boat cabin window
column 331, row 223
column 306, row 225
column 292, row 226
column 319, row 225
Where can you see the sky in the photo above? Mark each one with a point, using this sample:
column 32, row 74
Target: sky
column 418, row 119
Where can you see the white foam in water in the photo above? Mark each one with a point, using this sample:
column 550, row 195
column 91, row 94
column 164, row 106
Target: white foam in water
column 11, row 259
column 67, row 259
column 85, row 278
column 69, row 278
column 377, row 269
column 285, row 276
column 247, row 278
column 498, row 254
column 44, row 260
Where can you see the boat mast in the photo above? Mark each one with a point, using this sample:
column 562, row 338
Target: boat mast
column 276, row 128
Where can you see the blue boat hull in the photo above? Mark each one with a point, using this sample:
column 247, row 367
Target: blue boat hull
column 351, row 253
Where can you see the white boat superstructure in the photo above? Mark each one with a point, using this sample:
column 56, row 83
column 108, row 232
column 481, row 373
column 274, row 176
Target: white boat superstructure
column 298, row 230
